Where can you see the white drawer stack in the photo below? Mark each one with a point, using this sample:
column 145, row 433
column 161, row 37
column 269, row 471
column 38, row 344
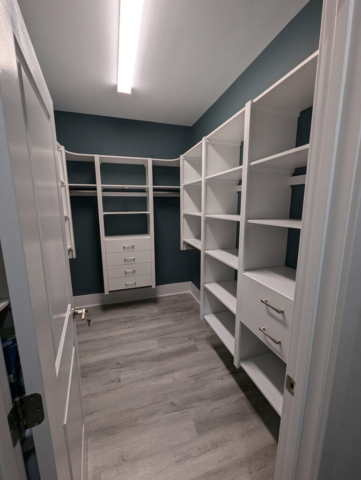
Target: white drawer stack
column 128, row 261
column 267, row 306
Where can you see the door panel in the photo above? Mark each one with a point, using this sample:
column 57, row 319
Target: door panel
column 32, row 235
column 73, row 426
column 46, row 185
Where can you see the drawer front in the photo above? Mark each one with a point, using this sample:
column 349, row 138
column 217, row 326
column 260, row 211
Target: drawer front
column 127, row 245
column 253, row 292
column 128, row 258
column 254, row 320
column 130, row 282
column 118, row 271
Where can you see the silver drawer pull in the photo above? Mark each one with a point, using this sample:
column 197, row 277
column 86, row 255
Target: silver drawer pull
column 130, row 283
column 278, row 310
column 263, row 330
column 128, row 246
column 128, row 258
column 129, row 271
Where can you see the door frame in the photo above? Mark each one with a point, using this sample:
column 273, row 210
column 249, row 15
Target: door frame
column 326, row 304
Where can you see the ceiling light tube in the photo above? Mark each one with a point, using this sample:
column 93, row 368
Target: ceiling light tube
column 130, row 18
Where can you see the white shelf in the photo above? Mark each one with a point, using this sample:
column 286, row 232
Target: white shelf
column 193, row 214
column 126, row 237
column 226, row 292
column 125, row 213
column 4, row 302
column 230, row 131
column 194, row 183
column 195, row 152
column 125, row 186
column 286, row 223
column 231, row 175
column 229, row 256
column 193, row 242
column 224, row 216
column 171, row 187
column 79, row 185
column 267, row 372
column 223, row 324
column 294, row 91
column 291, row 159
column 280, row 279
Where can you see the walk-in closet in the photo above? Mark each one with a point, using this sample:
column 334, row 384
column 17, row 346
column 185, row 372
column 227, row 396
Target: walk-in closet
column 180, row 240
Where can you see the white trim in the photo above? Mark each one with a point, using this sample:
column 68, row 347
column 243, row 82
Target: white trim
column 195, row 292
column 323, row 310
column 62, row 340
column 122, row 296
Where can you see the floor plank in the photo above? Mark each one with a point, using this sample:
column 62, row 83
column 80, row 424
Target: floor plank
column 163, row 400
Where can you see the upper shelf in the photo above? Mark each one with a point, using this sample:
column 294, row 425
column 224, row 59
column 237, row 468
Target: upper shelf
column 231, row 131
column 231, row 175
column 167, row 187
column 294, row 91
column 78, row 157
column 291, row 159
column 285, row 223
column 195, row 152
column 229, row 256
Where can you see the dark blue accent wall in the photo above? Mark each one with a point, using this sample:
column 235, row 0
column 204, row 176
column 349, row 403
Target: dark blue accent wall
column 297, row 41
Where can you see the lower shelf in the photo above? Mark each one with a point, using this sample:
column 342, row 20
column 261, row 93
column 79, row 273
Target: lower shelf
column 193, row 242
column 225, row 292
column 268, row 373
column 223, row 324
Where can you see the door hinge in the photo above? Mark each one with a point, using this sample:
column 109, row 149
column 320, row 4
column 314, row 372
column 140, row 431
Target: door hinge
column 26, row 412
column 290, row 385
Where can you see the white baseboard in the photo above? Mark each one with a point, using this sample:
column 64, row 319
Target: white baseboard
column 122, row 296
column 195, row 292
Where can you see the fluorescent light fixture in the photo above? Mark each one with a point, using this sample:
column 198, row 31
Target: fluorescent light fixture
column 129, row 26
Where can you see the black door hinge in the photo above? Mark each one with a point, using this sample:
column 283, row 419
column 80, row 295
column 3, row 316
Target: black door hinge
column 26, row 412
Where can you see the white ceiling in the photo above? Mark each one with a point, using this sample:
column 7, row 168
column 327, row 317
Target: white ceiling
column 190, row 52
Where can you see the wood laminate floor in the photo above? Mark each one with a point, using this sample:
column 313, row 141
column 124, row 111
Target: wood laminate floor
column 163, row 400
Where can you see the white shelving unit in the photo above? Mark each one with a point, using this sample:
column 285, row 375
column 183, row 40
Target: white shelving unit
column 235, row 189
column 247, row 289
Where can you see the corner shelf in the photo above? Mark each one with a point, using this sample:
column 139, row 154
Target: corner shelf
column 225, row 292
column 231, row 175
column 280, row 279
column 224, row 216
column 286, row 223
column 268, row 373
column 223, row 324
column 291, row 159
column 229, row 256
column 193, row 242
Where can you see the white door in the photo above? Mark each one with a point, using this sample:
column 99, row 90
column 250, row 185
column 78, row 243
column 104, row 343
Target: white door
column 35, row 253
